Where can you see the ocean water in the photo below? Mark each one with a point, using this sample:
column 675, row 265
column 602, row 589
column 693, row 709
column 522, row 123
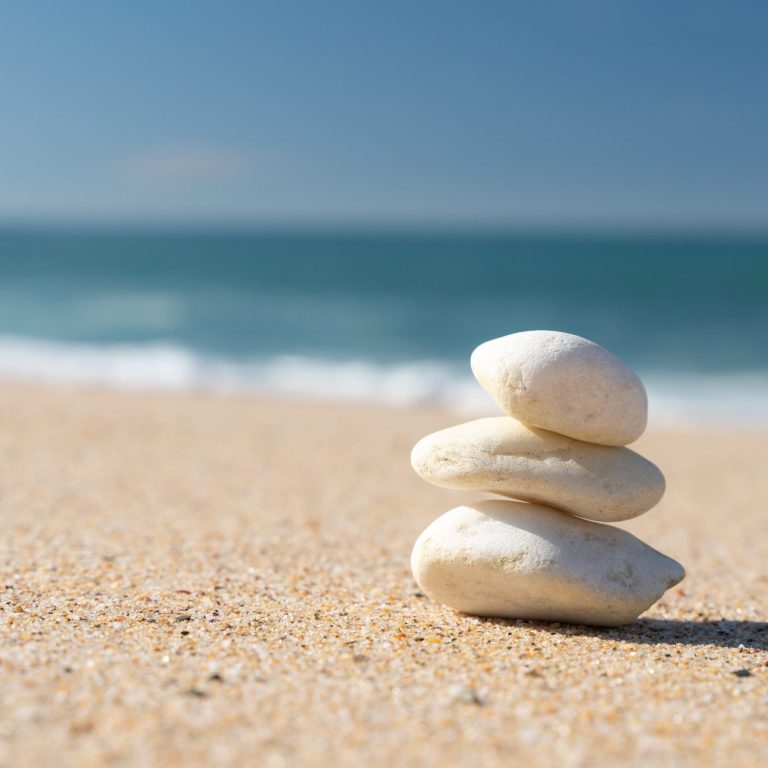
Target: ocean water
column 384, row 317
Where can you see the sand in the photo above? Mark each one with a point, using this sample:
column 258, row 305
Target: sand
column 200, row 580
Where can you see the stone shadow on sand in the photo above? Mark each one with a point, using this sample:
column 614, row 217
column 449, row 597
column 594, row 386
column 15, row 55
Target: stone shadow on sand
column 726, row 633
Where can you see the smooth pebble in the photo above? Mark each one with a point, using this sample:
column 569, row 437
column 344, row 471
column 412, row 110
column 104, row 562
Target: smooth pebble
column 502, row 455
column 525, row 561
column 563, row 383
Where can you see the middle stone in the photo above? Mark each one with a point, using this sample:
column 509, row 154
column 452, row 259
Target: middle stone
column 502, row 455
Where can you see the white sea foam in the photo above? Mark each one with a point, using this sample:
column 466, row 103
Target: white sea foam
column 685, row 399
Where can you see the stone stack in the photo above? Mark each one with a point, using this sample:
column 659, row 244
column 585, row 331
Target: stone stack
column 571, row 408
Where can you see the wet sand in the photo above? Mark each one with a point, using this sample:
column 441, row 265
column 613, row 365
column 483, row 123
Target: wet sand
column 200, row 580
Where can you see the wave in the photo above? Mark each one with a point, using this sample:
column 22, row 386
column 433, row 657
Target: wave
column 739, row 398
column 167, row 366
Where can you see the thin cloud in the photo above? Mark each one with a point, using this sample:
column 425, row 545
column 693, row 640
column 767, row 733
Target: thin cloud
column 188, row 163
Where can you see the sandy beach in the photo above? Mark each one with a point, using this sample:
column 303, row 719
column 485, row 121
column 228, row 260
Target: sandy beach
column 201, row 580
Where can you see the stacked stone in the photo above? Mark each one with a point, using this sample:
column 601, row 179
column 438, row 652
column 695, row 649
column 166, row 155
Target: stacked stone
column 571, row 408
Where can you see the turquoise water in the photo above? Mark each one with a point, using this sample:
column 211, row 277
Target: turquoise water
column 380, row 316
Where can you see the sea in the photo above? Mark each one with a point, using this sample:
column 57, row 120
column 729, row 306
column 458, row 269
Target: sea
column 382, row 316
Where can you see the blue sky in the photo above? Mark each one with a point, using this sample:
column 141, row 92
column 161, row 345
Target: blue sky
column 569, row 113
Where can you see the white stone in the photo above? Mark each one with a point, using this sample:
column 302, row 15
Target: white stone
column 524, row 561
column 563, row 383
column 502, row 455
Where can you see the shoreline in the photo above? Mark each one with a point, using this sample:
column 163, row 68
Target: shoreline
column 195, row 578
column 701, row 423
column 676, row 398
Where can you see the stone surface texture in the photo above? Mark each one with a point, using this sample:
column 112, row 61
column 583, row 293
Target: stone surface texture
column 526, row 561
column 563, row 383
column 502, row 455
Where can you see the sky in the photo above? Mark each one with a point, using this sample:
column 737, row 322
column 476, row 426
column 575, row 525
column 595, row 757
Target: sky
column 643, row 114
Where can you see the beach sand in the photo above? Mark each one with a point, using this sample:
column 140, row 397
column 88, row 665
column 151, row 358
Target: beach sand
column 201, row 580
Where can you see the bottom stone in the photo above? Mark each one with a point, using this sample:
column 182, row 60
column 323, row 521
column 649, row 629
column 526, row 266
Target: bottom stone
column 525, row 561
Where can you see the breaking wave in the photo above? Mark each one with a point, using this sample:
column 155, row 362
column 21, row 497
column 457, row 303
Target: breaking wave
column 733, row 398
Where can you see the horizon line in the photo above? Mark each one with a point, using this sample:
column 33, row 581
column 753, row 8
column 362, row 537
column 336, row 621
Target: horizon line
column 381, row 227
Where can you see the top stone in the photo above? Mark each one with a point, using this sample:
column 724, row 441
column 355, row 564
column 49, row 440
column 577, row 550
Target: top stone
column 563, row 383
